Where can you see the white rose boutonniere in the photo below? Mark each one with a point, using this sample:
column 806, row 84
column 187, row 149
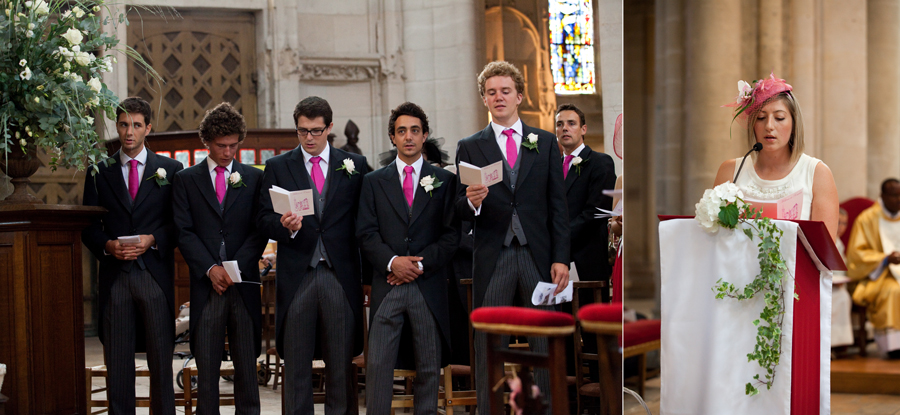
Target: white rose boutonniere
column 160, row 177
column 578, row 162
column 348, row 167
column 530, row 142
column 236, row 180
column 430, row 183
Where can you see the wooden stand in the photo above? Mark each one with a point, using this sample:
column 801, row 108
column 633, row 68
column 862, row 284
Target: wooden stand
column 41, row 307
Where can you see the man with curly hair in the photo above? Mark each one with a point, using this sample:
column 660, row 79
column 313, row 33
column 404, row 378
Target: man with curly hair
column 521, row 225
column 215, row 210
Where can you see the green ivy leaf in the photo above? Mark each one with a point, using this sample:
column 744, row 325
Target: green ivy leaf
column 728, row 215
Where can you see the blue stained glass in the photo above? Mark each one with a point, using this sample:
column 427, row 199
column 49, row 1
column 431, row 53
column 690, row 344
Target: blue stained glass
column 572, row 46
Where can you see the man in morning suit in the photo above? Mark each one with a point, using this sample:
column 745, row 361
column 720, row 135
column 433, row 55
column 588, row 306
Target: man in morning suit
column 406, row 227
column 521, row 225
column 215, row 210
column 319, row 277
column 137, row 292
column 586, row 173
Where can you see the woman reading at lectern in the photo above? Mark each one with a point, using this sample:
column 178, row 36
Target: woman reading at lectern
column 780, row 168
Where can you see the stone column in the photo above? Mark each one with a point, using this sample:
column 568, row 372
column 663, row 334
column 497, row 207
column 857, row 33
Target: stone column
column 883, row 96
column 712, row 69
column 609, row 65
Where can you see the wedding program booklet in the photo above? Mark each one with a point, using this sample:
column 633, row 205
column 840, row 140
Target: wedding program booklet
column 300, row 202
column 543, row 294
column 231, row 267
column 789, row 207
column 489, row 175
column 129, row 240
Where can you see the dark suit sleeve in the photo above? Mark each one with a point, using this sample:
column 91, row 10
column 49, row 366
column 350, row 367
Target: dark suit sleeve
column 603, row 176
column 368, row 231
column 167, row 235
column 463, row 211
column 251, row 250
column 267, row 221
column 93, row 236
column 559, row 214
column 439, row 254
column 198, row 258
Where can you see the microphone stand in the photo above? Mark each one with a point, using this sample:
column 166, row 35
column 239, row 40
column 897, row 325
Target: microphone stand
column 756, row 147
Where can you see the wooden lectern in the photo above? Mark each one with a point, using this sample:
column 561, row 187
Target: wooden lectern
column 705, row 341
column 41, row 307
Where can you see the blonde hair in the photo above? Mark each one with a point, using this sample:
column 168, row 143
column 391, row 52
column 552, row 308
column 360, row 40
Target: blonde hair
column 501, row 68
column 795, row 144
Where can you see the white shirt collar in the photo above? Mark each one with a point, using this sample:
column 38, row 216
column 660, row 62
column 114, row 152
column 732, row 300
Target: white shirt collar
column 417, row 166
column 212, row 165
column 576, row 152
column 498, row 129
column 325, row 154
column 141, row 157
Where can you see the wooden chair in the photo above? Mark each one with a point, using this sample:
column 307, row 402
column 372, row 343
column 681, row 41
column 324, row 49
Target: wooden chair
column 854, row 207
column 605, row 321
column 584, row 385
column 640, row 337
column 519, row 321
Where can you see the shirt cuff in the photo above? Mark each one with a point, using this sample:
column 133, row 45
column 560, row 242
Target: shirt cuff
column 472, row 207
column 391, row 262
column 210, row 269
column 420, row 266
column 294, row 233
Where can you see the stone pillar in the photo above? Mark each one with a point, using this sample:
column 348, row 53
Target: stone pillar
column 843, row 88
column 609, row 65
column 772, row 47
column 712, row 69
column 883, row 96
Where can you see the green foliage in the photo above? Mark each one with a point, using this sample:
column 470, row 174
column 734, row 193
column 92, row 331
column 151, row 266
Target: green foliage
column 767, row 350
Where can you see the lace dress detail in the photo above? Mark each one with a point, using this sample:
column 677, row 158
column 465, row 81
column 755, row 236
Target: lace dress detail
column 800, row 177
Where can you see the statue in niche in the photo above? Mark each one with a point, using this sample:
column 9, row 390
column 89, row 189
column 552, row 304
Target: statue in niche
column 351, row 131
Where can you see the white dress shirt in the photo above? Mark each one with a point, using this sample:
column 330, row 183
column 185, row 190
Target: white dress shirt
column 417, row 172
column 142, row 163
column 501, row 142
column 323, row 165
column 576, row 152
column 212, row 171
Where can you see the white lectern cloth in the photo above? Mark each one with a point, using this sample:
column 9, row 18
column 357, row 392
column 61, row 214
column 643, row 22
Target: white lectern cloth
column 704, row 341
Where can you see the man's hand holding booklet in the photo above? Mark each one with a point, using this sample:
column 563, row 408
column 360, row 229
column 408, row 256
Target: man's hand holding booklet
column 299, row 202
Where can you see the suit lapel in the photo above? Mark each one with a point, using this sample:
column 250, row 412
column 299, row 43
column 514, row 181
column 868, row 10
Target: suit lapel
column 573, row 175
column 204, row 184
column 297, row 167
column 526, row 155
column 422, row 197
column 113, row 173
column 487, row 143
column 233, row 192
column 393, row 190
column 146, row 186
column 337, row 177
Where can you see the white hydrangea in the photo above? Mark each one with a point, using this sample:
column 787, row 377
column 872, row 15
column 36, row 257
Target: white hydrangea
column 706, row 211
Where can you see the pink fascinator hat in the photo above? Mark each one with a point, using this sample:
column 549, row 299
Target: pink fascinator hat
column 752, row 96
column 617, row 138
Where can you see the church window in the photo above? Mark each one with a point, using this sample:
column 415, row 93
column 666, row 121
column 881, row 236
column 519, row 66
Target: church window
column 572, row 46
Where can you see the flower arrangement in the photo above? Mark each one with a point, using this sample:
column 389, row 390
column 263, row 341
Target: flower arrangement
column 724, row 207
column 51, row 63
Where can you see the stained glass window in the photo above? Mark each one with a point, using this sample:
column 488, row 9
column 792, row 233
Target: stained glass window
column 572, row 46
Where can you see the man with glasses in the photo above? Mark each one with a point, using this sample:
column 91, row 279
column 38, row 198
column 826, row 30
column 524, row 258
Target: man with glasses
column 319, row 265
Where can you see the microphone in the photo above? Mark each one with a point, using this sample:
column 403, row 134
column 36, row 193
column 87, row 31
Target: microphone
column 756, row 147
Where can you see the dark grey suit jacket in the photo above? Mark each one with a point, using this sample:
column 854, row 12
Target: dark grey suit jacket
column 149, row 213
column 203, row 225
column 387, row 227
column 337, row 228
column 584, row 194
column 540, row 201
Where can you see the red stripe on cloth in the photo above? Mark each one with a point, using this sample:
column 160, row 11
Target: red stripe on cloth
column 805, row 359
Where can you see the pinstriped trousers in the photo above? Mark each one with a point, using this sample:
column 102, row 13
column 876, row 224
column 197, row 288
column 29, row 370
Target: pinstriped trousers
column 221, row 312
column 136, row 294
column 384, row 341
column 515, row 273
column 320, row 297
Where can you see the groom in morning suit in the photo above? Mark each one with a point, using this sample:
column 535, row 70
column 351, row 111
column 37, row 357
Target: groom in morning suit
column 319, row 276
column 521, row 225
column 137, row 292
column 407, row 230
column 215, row 210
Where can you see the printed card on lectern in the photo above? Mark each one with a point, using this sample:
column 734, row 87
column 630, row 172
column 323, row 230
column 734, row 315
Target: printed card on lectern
column 299, row 202
column 789, row 207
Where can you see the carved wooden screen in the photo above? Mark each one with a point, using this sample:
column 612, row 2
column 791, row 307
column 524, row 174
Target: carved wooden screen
column 205, row 58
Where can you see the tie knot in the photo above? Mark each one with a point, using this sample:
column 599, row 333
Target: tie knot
column 569, row 158
column 133, row 163
column 408, row 169
column 508, row 132
column 315, row 160
column 220, row 169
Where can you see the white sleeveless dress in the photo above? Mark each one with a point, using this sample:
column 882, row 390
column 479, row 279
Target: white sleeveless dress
column 800, row 177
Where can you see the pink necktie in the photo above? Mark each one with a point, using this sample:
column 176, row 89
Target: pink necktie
column 511, row 151
column 220, row 183
column 317, row 176
column 566, row 165
column 408, row 184
column 133, row 181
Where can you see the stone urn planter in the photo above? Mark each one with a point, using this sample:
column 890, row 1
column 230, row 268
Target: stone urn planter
column 19, row 166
